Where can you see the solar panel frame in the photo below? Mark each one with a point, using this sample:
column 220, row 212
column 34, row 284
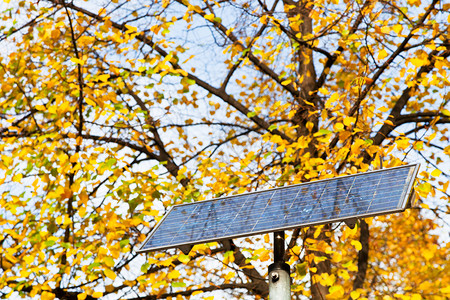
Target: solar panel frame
column 406, row 198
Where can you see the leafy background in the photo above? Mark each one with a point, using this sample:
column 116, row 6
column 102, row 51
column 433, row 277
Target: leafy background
column 113, row 111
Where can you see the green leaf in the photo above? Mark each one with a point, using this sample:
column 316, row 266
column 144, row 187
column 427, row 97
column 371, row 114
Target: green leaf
column 124, row 242
column 111, row 162
column 49, row 243
column 145, row 267
column 187, row 81
column 228, row 253
column 322, row 132
column 301, row 269
column 133, row 204
column 272, row 127
column 233, row 180
column 178, row 284
column 93, row 265
column 254, row 257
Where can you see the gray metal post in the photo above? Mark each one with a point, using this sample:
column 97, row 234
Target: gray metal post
column 279, row 273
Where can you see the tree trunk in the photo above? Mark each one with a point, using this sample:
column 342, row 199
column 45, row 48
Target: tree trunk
column 301, row 23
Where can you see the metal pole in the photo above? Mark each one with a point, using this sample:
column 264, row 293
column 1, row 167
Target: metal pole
column 279, row 273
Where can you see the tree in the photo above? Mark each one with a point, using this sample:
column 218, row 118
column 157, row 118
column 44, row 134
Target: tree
column 113, row 111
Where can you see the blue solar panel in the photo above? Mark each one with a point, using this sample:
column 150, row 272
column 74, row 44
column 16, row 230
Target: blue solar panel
column 318, row 202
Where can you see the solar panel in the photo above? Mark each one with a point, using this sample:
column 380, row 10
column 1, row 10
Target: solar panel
column 318, row 202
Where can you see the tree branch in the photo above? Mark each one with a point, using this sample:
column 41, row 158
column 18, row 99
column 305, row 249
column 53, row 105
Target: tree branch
column 215, row 91
column 330, row 61
column 261, row 66
column 225, row 286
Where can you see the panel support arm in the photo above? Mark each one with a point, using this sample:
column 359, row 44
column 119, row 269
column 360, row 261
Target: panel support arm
column 279, row 271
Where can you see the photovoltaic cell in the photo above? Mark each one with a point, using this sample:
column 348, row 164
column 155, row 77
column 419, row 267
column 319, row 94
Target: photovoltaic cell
column 318, row 202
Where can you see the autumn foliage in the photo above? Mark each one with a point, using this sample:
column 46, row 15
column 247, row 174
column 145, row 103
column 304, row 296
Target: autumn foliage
column 112, row 111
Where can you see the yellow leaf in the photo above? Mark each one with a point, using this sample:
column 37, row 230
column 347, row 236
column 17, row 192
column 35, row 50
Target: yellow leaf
column 424, row 205
column 229, row 257
column 445, row 186
column 428, row 254
column 97, row 295
column 47, row 295
column 317, row 232
column 333, row 98
column 355, row 294
column 349, row 121
column 248, row 267
column 328, row 279
column 230, row 30
column 85, row 40
column 110, row 274
column 17, row 177
column 338, row 126
column 209, row 17
column 357, row 145
column 383, row 109
column 385, row 29
column 286, row 82
column 431, row 137
column 130, row 28
column 418, row 145
column 197, row 293
column 263, row 19
column 74, row 158
column 418, row 62
column 357, row 245
column 230, row 275
column 281, row 148
column 436, row 173
column 445, row 290
column 424, row 187
column 82, row 211
column 129, row 282
column 382, row 54
column 426, row 285
column 81, row 296
column 336, row 292
column 28, row 259
column 40, row 107
column 184, row 258
column 174, row 274
column 416, row 297
column 337, row 257
column 397, row 28
column 77, row 61
column 109, row 261
column 344, row 274
column 103, row 77
column 402, row 143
